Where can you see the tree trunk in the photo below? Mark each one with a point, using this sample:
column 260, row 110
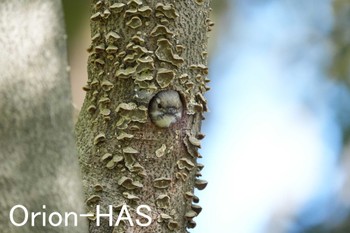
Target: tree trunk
column 38, row 159
column 138, row 49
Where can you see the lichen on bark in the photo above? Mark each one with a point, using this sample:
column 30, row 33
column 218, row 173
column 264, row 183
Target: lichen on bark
column 139, row 48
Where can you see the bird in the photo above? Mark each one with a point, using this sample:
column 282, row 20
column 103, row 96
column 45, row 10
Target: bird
column 165, row 108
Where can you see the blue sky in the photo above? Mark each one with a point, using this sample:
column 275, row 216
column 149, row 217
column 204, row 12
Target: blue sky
column 273, row 139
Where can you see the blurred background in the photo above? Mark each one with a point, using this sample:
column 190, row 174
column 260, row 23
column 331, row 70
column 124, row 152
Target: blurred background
column 277, row 151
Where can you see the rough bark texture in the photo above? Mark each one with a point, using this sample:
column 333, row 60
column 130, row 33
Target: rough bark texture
column 139, row 48
column 37, row 152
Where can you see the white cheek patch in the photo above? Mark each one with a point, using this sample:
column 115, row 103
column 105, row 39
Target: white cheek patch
column 178, row 115
column 165, row 121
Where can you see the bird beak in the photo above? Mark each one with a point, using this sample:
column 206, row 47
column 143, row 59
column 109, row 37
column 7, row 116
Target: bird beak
column 172, row 111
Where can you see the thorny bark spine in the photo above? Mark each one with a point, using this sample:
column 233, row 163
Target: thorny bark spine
column 139, row 48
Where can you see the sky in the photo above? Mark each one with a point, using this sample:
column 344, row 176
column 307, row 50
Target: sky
column 273, row 139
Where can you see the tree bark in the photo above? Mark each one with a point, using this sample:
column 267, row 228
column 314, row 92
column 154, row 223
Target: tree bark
column 38, row 159
column 138, row 49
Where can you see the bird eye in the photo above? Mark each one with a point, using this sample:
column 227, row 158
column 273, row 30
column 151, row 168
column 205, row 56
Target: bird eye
column 159, row 106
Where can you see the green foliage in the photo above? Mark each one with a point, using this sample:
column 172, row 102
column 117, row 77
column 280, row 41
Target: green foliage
column 75, row 13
